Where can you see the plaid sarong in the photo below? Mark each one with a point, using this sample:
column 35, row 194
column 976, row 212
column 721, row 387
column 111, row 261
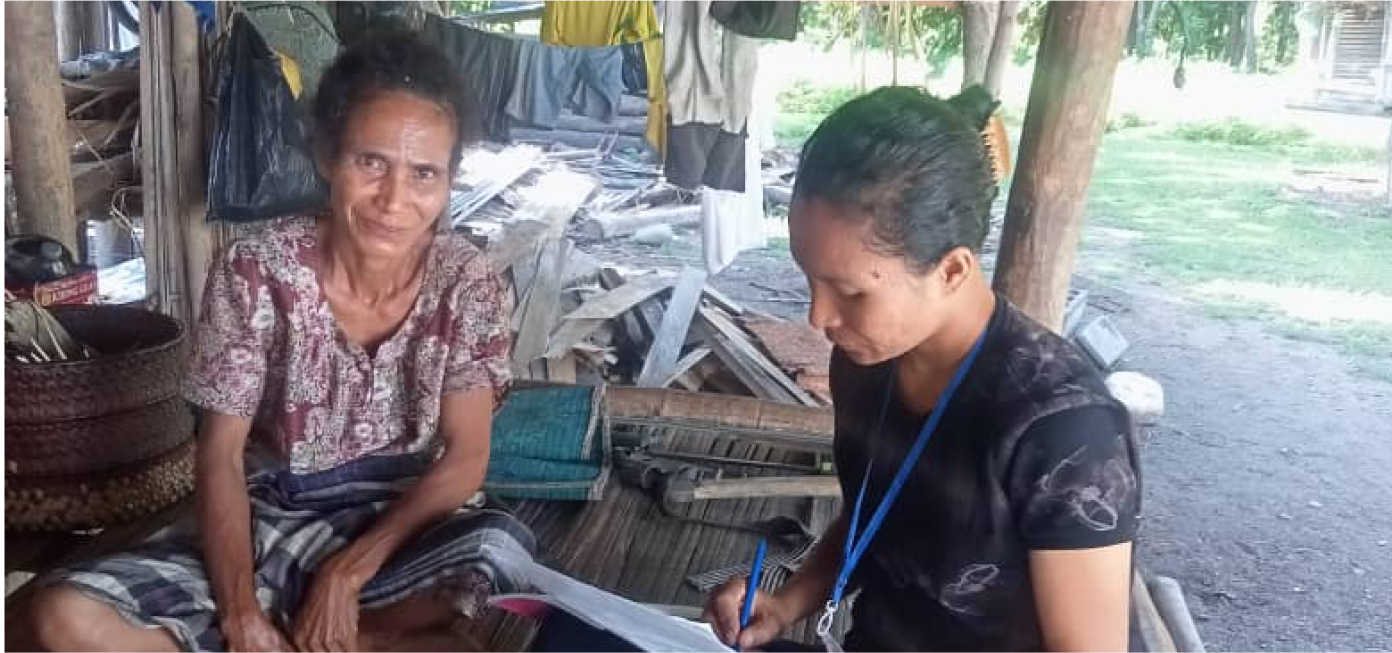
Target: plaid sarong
column 297, row 523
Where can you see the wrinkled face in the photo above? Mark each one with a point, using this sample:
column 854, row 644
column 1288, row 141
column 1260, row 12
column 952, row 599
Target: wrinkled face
column 390, row 180
column 871, row 306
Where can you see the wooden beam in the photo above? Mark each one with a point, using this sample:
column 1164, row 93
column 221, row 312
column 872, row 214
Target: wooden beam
column 38, row 128
column 800, row 427
column 762, row 487
column 619, row 300
column 685, row 364
column 186, row 60
column 612, row 225
column 1067, row 111
column 661, row 361
column 1149, row 623
column 539, row 315
column 742, row 354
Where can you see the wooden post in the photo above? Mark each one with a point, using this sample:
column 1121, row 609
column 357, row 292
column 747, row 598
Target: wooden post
column 1067, row 111
column 38, row 124
column 187, row 60
column 1001, row 47
column 166, row 278
column 978, row 28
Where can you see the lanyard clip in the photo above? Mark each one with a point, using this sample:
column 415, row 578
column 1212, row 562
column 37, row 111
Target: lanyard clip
column 828, row 616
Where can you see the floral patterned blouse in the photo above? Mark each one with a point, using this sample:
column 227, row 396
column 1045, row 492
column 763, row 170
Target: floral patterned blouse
column 268, row 347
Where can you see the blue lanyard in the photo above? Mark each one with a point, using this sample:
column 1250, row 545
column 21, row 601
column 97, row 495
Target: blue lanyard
column 856, row 546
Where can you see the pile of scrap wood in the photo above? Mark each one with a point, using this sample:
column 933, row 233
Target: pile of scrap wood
column 577, row 320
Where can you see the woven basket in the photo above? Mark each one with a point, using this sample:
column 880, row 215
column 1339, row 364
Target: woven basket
column 85, row 501
column 140, row 362
column 96, row 444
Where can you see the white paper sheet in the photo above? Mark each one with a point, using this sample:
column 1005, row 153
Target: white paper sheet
column 644, row 627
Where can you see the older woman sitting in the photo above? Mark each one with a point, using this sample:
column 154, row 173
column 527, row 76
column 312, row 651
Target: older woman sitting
column 364, row 351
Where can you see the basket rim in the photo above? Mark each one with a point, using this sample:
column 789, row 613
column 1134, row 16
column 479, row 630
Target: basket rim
column 180, row 337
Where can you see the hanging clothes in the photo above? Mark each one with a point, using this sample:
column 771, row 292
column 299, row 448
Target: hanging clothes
column 594, row 24
column 591, row 24
column 710, row 88
column 733, row 221
column 489, row 65
column 588, row 81
column 760, row 19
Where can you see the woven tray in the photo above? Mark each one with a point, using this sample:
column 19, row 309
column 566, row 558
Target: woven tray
column 99, row 443
column 141, row 362
column 86, row 501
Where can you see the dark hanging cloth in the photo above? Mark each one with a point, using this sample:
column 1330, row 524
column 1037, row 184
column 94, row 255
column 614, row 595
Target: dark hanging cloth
column 489, row 66
column 635, row 70
column 699, row 154
column 550, row 78
column 759, row 19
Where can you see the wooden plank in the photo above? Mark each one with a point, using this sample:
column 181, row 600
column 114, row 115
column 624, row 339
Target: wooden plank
column 569, row 334
column 1154, row 634
column 1168, row 598
column 519, row 239
column 741, row 347
column 789, row 425
column 661, row 361
column 561, row 370
column 619, row 300
column 744, row 369
column 612, row 225
column 756, row 487
column 540, row 315
column 723, row 301
column 684, row 366
column 629, row 324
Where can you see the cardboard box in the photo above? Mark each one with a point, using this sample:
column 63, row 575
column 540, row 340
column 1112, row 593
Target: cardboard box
column 79, row 288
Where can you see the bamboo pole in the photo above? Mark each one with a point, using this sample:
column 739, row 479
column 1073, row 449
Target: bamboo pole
column 38, row 128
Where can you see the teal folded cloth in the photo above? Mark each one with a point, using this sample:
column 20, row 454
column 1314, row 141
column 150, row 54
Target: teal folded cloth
column 550, row 443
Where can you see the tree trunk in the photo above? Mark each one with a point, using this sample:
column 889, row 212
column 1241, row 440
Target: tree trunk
column 1078, row 55
column 1251, row 36
column 1236, row 31
column 38, row 126
column 978, row 30
column 1002, row 43
column 1148, row 37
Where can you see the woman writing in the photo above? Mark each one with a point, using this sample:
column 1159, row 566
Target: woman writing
column 991, row 484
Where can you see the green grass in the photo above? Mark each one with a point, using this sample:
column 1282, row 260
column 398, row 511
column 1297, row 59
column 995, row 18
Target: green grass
column 1212, row 212
column 1216, row 212
column 1291, row 140
column 803, row 106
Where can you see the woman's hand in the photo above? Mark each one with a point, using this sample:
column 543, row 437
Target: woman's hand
column 253, row 632
column 767, row 619
column 328, row 619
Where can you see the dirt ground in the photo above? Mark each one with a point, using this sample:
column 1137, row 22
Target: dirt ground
column 1267, row 482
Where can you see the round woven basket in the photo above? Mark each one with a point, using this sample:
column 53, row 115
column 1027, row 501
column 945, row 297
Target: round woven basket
column 98, row 500
column 95, row 444
column 140, row 362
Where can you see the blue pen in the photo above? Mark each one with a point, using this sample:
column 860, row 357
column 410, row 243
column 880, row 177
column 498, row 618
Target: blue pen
column 755, row 573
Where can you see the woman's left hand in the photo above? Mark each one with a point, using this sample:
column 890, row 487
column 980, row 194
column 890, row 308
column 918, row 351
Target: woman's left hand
column 328, row 618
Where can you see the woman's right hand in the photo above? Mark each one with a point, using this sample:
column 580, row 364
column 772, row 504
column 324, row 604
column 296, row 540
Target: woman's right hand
column 253, row 632
column 767, row 619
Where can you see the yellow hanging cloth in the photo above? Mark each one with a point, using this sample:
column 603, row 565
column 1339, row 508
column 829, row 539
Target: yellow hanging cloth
column 577, row 23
